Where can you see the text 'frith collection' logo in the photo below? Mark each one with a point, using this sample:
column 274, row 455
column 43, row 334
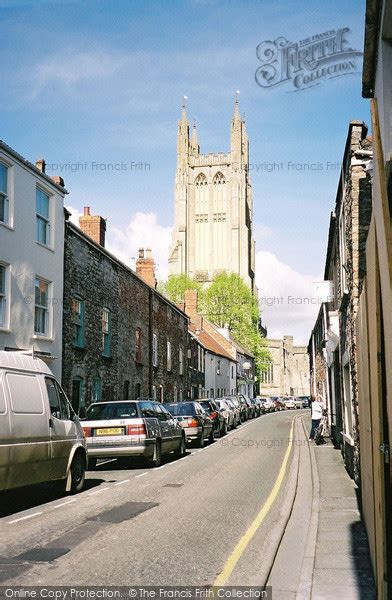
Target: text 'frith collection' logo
column 305, row 63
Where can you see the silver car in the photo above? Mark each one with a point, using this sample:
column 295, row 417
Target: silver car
column 131, row 428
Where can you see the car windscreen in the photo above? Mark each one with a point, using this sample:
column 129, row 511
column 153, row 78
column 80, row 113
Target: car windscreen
column 207, row 407
column 182, row 409
column 111, row 410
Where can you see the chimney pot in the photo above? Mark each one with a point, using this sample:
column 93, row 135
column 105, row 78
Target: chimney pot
column 141, row 252
column 86, row 210
column 40, row 165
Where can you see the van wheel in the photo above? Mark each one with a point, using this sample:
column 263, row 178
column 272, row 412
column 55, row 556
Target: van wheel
column 78, row 470
column 91, row 464
column 157, row 456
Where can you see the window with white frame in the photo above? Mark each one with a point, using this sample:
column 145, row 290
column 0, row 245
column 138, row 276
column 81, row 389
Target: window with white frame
column 168, row 356
column 41, row 312
column 181, row 361
column 3, row 296
column 154, row 350
column 42, row 217
column 4, row 202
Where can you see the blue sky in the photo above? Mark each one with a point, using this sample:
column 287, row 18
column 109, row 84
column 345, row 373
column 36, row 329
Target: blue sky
column 102, row 81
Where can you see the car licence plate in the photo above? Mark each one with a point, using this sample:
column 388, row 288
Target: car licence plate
column 110, row 431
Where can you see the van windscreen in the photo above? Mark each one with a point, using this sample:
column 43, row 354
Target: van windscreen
column 111, row 410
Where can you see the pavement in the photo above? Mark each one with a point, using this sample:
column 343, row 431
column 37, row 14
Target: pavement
column 323, row 553
column 258, row 506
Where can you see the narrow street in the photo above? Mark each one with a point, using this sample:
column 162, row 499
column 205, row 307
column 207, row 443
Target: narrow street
column 175, row 525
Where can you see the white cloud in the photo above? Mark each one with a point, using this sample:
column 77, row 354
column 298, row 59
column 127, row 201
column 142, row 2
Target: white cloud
column 75, row 214
column 143, row 231
column 285, row 296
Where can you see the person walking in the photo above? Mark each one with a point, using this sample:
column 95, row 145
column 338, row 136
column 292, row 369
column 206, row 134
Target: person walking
column 317, row 413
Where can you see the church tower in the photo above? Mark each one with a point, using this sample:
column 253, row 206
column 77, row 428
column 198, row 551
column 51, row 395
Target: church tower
column 213, row 207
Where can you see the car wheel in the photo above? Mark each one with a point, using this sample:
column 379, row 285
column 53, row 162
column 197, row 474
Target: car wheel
column 224, row 429
column 91, row 464
column 157, row 455
column 181, row 448
column 211, row 438
column 78, row 471
column 200, row 441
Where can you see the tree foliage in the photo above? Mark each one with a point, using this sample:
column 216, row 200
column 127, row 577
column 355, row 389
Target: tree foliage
column 176, row 285
column 227, row 302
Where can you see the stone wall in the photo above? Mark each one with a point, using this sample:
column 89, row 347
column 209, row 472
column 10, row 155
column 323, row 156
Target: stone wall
column 99, row 280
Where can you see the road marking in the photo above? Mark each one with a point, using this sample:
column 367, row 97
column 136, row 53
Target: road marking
column 98, row 492
column 141, row 475
column 247, row 537
column 121, row 482
column 24, row 518
column 63, row 503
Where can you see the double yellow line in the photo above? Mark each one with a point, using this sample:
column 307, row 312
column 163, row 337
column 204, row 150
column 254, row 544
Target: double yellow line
column 247, row 537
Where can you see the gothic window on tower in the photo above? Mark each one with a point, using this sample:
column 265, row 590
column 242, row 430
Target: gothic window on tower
column 201, row 220
column 220, row 251
column 219, row 179
column 201, row 180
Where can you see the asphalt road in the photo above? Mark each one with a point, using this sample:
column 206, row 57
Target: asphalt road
column 175, row 525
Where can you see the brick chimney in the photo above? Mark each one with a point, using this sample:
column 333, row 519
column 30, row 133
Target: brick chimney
column 58, row 180
column 93, row 225
column 190, row 302
column 40, row 165
column 145, row 267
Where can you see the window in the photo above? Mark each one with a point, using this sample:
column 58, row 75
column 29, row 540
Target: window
column 138, row 345
column 106, row 325
column 154, row 350
column 42, row 217
column 138, row 391
column 41, row 314
column 126, row 390
column 218, row 367
column 97, row 390
column 25, row 392
column 181, row 361
column 3, row 296
column 59, row 406
column 78, row 321
column 4, row 204
column 154, row 392
column 168, row 356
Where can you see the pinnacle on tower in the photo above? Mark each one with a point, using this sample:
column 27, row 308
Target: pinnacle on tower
column 195, row 148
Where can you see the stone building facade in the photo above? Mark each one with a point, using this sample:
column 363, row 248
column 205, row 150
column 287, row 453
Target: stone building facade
column 121, row 338
column 333, row 340
column 287, row 373
column 213, row 207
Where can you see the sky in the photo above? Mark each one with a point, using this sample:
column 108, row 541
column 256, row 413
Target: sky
column 95, row 87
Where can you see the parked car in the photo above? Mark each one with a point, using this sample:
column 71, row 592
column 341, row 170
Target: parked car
column 234, row 404
column 256, row 407
column 305, row 401
column 298, row 402
column 248, row 406
column 261, row 406
column 131, row 428
column 244, row 409
column 41, row 439
column 227, row 412
column 268, row 405
column 194, row 420
column 278, row 403
column 215, row 414
column 289, row 402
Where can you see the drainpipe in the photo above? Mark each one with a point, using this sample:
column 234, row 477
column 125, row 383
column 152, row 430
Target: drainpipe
column 150, row 332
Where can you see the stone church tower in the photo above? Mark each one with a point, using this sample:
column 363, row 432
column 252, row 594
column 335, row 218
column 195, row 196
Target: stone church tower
column 213, row 207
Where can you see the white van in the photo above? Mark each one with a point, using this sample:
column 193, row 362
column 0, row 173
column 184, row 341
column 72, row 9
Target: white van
column 41, row 438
